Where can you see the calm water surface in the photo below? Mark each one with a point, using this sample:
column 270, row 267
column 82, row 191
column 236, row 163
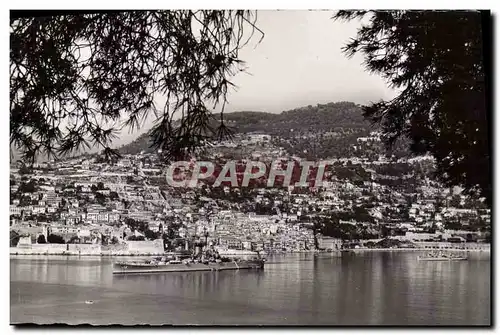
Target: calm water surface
column 377, row 288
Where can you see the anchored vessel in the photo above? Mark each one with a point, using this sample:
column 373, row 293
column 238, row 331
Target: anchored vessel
column 442, row 257
column 164, row 264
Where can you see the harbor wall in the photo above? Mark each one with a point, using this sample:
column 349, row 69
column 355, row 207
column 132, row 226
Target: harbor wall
column 471, row 246
column 430, row 246
column 48, row 248
column 86, row 249
column 129, row 248
column 330, row 243
column 39, row 249
column 146, row 247
column 114, row 249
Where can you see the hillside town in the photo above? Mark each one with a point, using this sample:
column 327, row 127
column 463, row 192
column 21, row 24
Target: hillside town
column 362, row 201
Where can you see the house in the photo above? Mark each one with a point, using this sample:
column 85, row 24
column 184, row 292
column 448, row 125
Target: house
column 92, row 216
column 102, row 217
column 155, row 225
column 14, row 210
column 53, row 200
column 38, row 209
column 86, row 164
column 124, row 163
column 230, row 243
column 83, row 233
column 113, row 217
column 72, row 220
column 47, row 188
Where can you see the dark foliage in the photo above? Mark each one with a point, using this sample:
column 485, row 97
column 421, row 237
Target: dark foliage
column 14, row 238
column 53, row 238
column 24, row 169
column 332, row 225
column 322, row 117
column 41, row 239
column 140, row 226
column 136, row 238
column 151, row 235
column 435, row 58
column 172, row 230
column 74, row 77
column 101, row 198
column 29, row 187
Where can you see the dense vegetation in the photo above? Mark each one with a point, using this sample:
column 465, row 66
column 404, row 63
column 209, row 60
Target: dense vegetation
column 437, row 60
column 321, row 131
column 73, row 76
column 320, row 118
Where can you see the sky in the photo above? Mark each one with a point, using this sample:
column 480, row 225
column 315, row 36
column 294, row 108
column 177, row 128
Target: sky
column 298, row 63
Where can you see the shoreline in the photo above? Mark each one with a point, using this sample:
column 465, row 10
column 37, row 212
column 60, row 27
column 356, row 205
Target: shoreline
column 360, row 250
column 86, row 255
column 419, row 249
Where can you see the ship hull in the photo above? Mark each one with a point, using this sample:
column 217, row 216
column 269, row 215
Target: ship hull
column 130, row 268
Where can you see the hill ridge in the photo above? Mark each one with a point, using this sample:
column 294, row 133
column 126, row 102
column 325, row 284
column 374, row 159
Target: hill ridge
column 333, row 116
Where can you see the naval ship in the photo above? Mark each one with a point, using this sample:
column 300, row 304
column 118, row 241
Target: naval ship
column 177, row 263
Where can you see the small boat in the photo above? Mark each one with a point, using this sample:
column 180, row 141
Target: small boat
column 89, row 302
column 442, row 257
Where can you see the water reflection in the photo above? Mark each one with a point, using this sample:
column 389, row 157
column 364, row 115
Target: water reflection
column 352, row 289
column 202, row 285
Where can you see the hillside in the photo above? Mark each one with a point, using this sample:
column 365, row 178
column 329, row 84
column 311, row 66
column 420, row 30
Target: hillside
column 319, row 118
column 345, row 117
